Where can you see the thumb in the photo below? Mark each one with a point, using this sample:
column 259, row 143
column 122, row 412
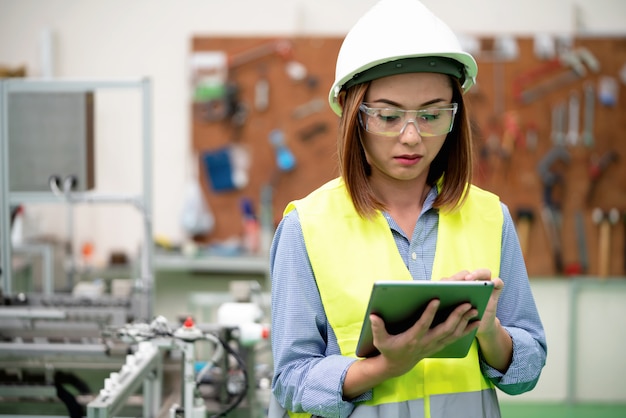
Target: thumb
column 498, row 285
column 378, row 327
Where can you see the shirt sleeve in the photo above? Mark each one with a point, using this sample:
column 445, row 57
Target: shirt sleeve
column 308, row 369
column 518, row 314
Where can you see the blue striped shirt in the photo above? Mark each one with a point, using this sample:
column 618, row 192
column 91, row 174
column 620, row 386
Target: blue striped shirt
column 308, row 367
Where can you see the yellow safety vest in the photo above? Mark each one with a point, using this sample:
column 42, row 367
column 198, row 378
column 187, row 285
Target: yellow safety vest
column 349, row 253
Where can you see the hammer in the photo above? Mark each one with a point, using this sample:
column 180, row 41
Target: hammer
column 604, row 220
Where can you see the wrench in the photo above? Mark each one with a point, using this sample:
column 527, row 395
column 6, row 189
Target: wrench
column 590, row 103
column 574, row 111
column 558, row 124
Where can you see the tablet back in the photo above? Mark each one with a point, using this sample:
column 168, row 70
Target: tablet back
column 401, row 303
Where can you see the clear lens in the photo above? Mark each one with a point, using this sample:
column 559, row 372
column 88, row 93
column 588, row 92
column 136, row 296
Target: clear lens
column 432, row 121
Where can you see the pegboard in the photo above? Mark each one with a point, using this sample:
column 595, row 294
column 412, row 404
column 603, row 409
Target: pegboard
column 509, row 155
column 297, row 107
column 512, row 138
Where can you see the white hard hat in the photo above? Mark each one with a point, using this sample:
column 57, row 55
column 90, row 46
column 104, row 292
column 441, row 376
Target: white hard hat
column 392, row 36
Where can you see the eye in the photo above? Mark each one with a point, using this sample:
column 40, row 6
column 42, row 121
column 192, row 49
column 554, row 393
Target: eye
column 429, row 115
column 388, row 115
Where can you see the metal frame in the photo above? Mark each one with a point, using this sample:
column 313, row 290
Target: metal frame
column 145, row 282
column 144, row 368
column 45, row 251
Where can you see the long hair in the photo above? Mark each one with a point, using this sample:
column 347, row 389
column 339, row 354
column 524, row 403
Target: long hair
column 451, row 170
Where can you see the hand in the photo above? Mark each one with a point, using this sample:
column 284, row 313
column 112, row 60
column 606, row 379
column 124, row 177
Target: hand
column 489, row 323
column 495, row 343
column 402, row 352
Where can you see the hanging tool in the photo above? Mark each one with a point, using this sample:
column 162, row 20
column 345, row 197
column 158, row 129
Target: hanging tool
column 597, row 168
column 581, row 240
column 573, row 119
column 295, row 70
column 550, row 77
column 582, row 266
column 511, row 136
column 284, row 157
column 224, row 103
column 309, row 108
column 590, row 104
column 558, row 124
column 605, row 221
column 608, row 91
column 313, row 130
column 551, row 179
column 532, row 136
column 261, row 91
column 281, row 47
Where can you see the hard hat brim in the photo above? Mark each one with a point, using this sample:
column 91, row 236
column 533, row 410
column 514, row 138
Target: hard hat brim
column 466, row 72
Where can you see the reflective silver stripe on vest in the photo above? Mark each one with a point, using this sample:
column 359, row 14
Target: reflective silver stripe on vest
column 483, row 404
column 409, row 409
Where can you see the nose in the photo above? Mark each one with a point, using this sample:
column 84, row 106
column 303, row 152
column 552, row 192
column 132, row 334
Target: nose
column 408, row 134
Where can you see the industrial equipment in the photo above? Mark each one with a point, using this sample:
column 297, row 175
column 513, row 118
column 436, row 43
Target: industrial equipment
column 81, row 359
column 89, row 349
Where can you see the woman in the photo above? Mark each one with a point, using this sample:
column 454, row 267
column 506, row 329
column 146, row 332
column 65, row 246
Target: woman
column 403, row 209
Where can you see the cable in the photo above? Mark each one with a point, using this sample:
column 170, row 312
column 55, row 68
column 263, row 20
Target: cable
column 74, row 409
column 159, row 328
column 69, row 182
column 242, row 366
column 54, row 181
column 217, row 355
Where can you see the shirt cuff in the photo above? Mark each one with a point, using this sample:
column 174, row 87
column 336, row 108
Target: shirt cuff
column 518, row 371
column 332, row 370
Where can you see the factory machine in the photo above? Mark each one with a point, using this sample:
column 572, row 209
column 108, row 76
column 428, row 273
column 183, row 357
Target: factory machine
column 80, row 358
column 86, row 351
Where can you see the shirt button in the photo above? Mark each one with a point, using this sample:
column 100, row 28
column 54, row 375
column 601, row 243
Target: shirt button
column 414, row 256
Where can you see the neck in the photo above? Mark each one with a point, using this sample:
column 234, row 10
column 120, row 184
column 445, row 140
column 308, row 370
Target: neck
column 401, row 195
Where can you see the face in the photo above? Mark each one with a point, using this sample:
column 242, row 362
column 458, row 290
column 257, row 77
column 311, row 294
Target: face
column 406, row 157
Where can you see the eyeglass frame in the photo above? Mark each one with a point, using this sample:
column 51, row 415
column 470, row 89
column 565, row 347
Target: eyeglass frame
column 363, row 107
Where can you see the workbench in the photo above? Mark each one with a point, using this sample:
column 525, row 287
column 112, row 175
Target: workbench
column 179, row 278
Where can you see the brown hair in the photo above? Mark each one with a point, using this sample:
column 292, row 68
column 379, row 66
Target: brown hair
column 454, row 159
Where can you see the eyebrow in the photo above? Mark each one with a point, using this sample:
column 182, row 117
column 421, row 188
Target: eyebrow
column 395, row 104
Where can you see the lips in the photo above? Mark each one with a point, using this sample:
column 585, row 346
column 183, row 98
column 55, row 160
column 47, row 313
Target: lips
column 408, row 159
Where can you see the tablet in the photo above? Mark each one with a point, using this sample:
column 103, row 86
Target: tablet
column 401, row 303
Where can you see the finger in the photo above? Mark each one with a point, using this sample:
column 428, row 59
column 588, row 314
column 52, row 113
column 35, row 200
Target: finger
column 498, row 283
column 498, row 286
column 468, row 323
column 423, row 324
column 478, row 274
column 457, row 276
column 460, row 322
column 379, row 332
column 460, row 315
column 378, row 326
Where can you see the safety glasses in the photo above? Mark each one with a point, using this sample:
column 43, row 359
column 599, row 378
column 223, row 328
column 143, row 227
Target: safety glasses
column 389, row 121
